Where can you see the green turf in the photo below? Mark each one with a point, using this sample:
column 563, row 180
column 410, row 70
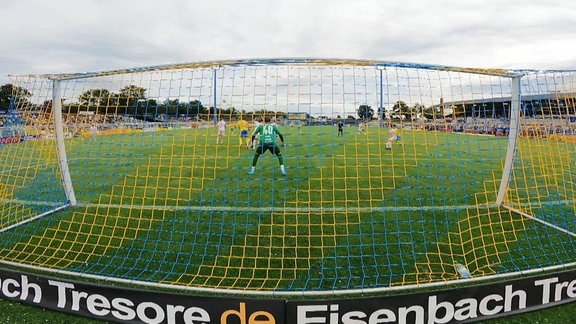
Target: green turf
column 176, row 208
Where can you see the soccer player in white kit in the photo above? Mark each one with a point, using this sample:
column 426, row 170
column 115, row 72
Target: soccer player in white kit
column 221, row 126
column 393, row 137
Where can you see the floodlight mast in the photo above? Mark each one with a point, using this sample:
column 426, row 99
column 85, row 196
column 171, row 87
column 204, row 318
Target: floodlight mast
column 381, row 94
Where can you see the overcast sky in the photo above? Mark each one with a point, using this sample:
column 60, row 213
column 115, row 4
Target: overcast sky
column 57, row 36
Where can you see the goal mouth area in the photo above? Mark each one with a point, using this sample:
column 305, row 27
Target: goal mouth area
column 292, row 252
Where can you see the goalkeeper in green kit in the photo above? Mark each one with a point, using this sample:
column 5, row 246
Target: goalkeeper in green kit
column 268, row 133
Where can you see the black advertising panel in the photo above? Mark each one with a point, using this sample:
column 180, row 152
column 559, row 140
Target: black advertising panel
column 447, row 306
column 125, row 305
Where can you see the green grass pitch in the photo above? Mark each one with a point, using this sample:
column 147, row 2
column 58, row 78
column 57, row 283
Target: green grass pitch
column 174, row 207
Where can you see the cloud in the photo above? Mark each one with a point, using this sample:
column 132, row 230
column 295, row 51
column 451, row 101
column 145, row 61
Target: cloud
column 92, row 35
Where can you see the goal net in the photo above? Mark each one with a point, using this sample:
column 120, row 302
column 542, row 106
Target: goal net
column 396, row 172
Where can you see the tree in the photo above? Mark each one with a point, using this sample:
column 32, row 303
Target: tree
column 131, row 98
column 431, row 112
column 400, row 109
column 9, row 92
column 95, row 98
column 5, row 95
column 169, row 107
column 130, row 95
column 400, row 106
column 195, row 107
column 365, row 112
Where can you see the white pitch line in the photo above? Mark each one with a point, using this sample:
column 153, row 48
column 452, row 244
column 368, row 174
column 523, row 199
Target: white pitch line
column 280, row 209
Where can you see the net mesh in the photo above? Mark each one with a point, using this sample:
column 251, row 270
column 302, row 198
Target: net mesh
column 160, row 197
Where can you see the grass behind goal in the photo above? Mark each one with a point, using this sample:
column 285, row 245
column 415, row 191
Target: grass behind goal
column 159, row 201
